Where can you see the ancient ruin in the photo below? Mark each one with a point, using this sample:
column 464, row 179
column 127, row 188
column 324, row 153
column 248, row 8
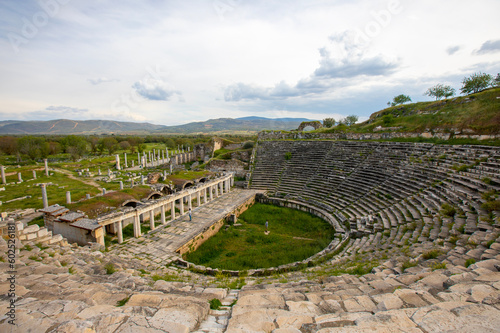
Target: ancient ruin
column 419, row 248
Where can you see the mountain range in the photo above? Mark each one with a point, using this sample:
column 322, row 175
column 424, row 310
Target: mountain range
column 251, row 124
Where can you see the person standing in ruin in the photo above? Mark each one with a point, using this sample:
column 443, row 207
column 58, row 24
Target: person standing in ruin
column 189, row 212
column 267, row 224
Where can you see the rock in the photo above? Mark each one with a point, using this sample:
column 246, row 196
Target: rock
column 293, row 321
column 304, row 307
column 186, row 311
column 359, row 304
column 262, row 301
column 394, row 318
column 480, row 292
column 388, row 302
column 218, row 293
column 74, row 326
column 410, row 298
column 286, row 330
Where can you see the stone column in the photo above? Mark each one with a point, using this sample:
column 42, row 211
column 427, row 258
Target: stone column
column 119, row 232
column 103, row 191
column 137, row 225
column 163, row 214
column 210, row 188
column 232, row 181
column 221, row 188
column 34, row 174
column 152, row 219
column 68, row 197
column 142, row 180
column 205, row 195
column 121, row 185
column 170, row 168
column 2, row 169
column 99, row 171
column 216, row 190
column 118, row 162
column 190, row 201
column 172, row 210
column 87, row 196
column 182, row 207
column 125, row 159
column 44, row 196
column 46, row 167
column 198, row 198
column 132, row 163
column 19, row 177
column 138, row 159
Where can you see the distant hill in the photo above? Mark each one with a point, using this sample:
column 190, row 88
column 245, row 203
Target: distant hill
column 227, row 125
column 81, row 127
column 90, row 127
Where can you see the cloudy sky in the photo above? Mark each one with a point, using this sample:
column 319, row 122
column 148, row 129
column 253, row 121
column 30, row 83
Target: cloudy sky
column 173, row 62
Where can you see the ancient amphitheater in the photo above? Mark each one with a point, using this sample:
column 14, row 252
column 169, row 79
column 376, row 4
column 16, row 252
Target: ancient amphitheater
column 426, row 214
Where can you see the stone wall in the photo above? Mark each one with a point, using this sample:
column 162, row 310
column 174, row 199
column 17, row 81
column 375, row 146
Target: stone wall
column 279, row 135
column 236, row 166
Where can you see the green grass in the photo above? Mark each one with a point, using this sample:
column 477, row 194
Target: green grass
column 469, row 262
column 122, row 302
column 437, row 266
column 247, row 247
column 215, row 304
column 110, row 268
column 431, row 254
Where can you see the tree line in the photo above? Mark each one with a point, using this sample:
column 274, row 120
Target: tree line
column 39, row 147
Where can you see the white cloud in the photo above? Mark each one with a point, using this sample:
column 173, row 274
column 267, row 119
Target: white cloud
column 252, row 58
column 154, row 89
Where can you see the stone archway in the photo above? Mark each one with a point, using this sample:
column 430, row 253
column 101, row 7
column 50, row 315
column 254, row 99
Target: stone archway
column 316, row 124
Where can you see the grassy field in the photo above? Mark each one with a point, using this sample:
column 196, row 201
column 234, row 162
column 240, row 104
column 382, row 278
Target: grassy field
column 477, row 112
column 294, row 236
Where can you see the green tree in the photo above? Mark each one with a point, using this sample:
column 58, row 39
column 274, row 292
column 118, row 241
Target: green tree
column 75, row 145
column 141, row 147
column 34, row 147
column 329, row 122
column 475, row 83
column 110, row 144
column 351, row 120
column 399, row 99
column 439, row 91
column 496, row 81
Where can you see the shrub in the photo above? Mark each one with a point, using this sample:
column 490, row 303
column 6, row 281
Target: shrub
column 432, row 254
column 110, row 268
column 469, row 262
column 408, row 264
column 448, row 210
column 123, row 301
column 215, row 304
column 436, row 266
column 248, row 145
column 288, row 155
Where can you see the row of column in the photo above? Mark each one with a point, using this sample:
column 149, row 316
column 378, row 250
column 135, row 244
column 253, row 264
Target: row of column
column 19, row 177
column 214, row 190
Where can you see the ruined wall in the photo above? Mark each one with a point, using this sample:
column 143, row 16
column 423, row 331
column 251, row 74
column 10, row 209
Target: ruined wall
column 236, row 166
column 279, row 135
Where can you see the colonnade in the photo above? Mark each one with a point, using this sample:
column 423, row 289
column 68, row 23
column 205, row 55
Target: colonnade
column 203, row 192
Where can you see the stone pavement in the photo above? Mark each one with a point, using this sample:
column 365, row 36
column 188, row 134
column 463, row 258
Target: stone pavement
column 159, row 245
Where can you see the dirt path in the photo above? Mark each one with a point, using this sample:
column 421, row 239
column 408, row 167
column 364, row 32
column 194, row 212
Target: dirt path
column 85, row 181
